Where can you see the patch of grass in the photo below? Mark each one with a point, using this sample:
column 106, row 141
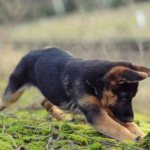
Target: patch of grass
column 88, row 26
column 95, row 146
column 24, row 131
column 37, row 132
column 145, row 143
column 5, row 146
column 143, row 121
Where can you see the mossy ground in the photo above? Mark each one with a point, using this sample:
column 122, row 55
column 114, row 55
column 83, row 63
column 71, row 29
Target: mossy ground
column 35, row 130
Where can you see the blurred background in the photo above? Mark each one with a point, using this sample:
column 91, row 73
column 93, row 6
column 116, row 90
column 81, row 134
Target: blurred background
column 111, row 29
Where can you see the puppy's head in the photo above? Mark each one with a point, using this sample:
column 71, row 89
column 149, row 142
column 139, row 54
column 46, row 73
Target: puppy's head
column 120, row 87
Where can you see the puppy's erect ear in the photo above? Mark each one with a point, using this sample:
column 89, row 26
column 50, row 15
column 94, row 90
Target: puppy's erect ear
column 141, row 69
column 120, row 74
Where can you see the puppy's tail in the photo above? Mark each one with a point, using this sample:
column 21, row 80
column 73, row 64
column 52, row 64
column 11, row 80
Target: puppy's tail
column 18, row 82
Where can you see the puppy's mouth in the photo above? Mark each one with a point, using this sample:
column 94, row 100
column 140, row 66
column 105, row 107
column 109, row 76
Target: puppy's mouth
column 120, row 120
column 120, row 115
column 126, row 119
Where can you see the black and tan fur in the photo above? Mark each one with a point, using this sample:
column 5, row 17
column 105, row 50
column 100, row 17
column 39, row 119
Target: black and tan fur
column 100, row 89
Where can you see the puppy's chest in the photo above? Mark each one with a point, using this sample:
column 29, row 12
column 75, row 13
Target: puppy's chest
column 71, row 85
column 70, row 106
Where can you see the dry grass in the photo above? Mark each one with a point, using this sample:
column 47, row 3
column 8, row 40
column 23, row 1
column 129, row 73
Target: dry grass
column 115, row 23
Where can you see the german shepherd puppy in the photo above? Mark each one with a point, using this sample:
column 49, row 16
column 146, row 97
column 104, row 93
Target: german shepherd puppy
column 100, row 89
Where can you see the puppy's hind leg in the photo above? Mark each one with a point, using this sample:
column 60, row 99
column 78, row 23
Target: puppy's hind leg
column 55, row 111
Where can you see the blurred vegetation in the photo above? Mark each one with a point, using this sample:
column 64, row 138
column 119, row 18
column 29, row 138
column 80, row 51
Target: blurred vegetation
column 108, row 24
column 21, row 10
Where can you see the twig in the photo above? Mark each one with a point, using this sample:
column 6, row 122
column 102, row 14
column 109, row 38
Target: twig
column 14, row 143
column 48, row 144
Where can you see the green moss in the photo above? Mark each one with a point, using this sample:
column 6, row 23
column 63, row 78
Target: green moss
column 5, row 138
column 143, row 122
column 37, row 132
column 60, row 144
column 66, row 145
column 145, row 143
column 96, row 146
column 5, row 146
column 39, row 145
column 79, row 140
column 126, row 145
column 66, row 128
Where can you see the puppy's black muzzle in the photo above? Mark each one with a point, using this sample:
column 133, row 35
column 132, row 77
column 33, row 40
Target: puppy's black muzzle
column 123, row 111
column 126, row 119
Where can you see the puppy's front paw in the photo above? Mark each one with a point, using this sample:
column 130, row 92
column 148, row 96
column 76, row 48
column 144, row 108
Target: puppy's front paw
column 134, row 129
column 140, row 133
